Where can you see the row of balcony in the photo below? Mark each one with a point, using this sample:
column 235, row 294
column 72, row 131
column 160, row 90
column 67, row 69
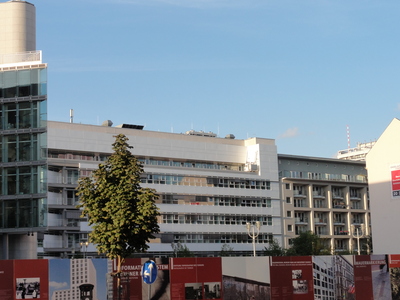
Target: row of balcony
column 324, row 176
column 324, row 231
column 335, row 196
column 323, row 204
column 305, row 220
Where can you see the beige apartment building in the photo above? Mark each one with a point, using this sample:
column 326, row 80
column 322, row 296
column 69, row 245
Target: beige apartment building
column 326, row 196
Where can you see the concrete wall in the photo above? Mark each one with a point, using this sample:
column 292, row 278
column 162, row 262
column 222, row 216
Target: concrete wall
column 385, row 208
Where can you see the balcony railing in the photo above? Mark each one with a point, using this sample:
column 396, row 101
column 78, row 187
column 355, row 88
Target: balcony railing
column 339, row 221
column 300, row 203
column 339, row 206
column 320, row 220
column 342, row 232
column 341, row 248
column 299, row 193
column 337, row 195
column 358, row 222
column 21, row 57
column 301, row 220
column 321, row 232
column 318, row 194
column 324, row 176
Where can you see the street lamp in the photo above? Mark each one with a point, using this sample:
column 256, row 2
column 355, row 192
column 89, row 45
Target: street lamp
column 251, row 232
column 357, row 232
column 84, row 244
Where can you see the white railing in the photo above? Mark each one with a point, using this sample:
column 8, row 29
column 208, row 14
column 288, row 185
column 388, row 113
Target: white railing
column 54, row 198
column 21, row 57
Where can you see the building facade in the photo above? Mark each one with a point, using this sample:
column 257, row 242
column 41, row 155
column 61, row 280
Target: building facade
column 383, row 165
column 82, row 271
column 326, row 196
column 209, row 188
column 357, row 153
column 23, row 97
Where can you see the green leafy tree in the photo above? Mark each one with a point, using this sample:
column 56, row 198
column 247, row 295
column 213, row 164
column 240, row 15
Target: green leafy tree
column 308, row 243
column 226, row 250
column 366, row 247
column 274, row 249
column 123, row 215
column 181, row 250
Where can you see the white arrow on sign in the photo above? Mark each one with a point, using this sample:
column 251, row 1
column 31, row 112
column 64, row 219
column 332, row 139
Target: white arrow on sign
column 147, row 273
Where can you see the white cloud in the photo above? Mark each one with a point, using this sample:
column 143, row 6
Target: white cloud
column 58, row 285
column 289, row 133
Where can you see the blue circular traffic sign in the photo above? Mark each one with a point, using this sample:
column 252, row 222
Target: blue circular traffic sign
column 149, row 272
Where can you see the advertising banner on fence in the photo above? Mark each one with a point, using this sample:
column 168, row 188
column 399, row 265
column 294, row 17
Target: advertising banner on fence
column 24, row 279
column 196, row 278
column 31, row 279
column 132, row 285
column 246, row 278
column 67, row 275
column 359, row 277
column 371, row 277
column 292, row 277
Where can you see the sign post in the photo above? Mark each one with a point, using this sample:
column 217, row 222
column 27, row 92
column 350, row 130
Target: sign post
column 149, row 273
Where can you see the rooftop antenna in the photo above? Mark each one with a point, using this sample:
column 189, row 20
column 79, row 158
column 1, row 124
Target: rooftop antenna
column 348, row 136
column 71, row 116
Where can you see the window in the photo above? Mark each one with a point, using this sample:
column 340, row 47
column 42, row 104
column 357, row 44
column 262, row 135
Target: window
column 289, row 214
column 288, row 186
column 288, row 200
column 290, row 228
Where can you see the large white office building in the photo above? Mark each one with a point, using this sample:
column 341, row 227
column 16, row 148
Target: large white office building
column 208, row 187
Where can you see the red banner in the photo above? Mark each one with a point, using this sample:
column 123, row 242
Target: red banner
column 196, row 278
column 292, row 277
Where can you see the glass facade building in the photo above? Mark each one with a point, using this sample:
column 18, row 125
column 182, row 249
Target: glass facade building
column 23, row 117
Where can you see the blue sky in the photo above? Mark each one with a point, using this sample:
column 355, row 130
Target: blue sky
column 295, row 71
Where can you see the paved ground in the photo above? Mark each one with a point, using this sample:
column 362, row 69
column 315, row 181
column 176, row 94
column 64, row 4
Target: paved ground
column 381, row 284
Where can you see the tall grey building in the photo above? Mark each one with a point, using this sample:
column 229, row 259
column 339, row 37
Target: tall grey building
column 23, row 97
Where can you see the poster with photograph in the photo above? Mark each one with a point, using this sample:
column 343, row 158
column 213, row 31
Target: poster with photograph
column 196, row 278
column 372, row 277
column 31, row 277
column 66, row 276
column 343, row 277
column 292, row 277
column 246, row 278
column 28, row 288
column 324, row 277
